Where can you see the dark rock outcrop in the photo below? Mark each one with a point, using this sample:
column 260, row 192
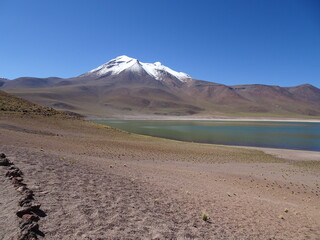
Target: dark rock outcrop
column 30, row 209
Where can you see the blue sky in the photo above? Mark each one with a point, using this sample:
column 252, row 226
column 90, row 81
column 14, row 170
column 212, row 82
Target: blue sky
column 274, row 42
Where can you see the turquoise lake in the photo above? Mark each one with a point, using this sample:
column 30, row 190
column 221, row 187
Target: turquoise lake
column 288, row 135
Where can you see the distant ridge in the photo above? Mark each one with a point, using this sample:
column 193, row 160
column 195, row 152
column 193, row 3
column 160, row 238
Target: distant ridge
column 125, row 86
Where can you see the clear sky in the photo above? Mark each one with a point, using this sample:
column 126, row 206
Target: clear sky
column 274, row 42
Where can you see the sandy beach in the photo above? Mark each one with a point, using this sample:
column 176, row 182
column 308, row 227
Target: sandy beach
column 95, row 182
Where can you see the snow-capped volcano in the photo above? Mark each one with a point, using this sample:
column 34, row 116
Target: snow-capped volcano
column 122, row 63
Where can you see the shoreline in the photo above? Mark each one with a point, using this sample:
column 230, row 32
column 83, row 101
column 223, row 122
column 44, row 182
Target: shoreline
column 287, row 154
column 174, row 118
column 284, row 153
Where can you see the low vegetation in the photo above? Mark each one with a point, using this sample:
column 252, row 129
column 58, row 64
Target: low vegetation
column 312, row 165
column 9, row 103
column 205, row 217
column 12, row 105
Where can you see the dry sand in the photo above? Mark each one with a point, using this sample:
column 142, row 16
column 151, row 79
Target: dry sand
column 95, row 182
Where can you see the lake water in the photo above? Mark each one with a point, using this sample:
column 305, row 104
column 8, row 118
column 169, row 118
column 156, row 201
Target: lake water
column 288, row 135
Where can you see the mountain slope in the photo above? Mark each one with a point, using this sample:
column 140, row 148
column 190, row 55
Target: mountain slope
column 125, row 86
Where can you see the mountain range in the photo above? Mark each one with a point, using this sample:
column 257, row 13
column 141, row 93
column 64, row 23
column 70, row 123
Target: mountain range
column 125, row 86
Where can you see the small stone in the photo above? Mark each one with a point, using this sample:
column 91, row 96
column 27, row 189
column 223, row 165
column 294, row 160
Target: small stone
column 34, row 206
column 23, row 211
column 33, row 217
column 35, row 187
column 14, row 173
column 17, row 184
column 25, row 201
column 28, row 225
column 5, row 162
column 14, row 180
column 27, row 191
column 2, row 155
column 24, row 222
column 34, row 227
column 28, row 194
column 21, row 188
column 20, row 179
column 27, row 235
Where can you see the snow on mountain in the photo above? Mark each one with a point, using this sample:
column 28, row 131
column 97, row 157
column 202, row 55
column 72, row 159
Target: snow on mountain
column 121, row 63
